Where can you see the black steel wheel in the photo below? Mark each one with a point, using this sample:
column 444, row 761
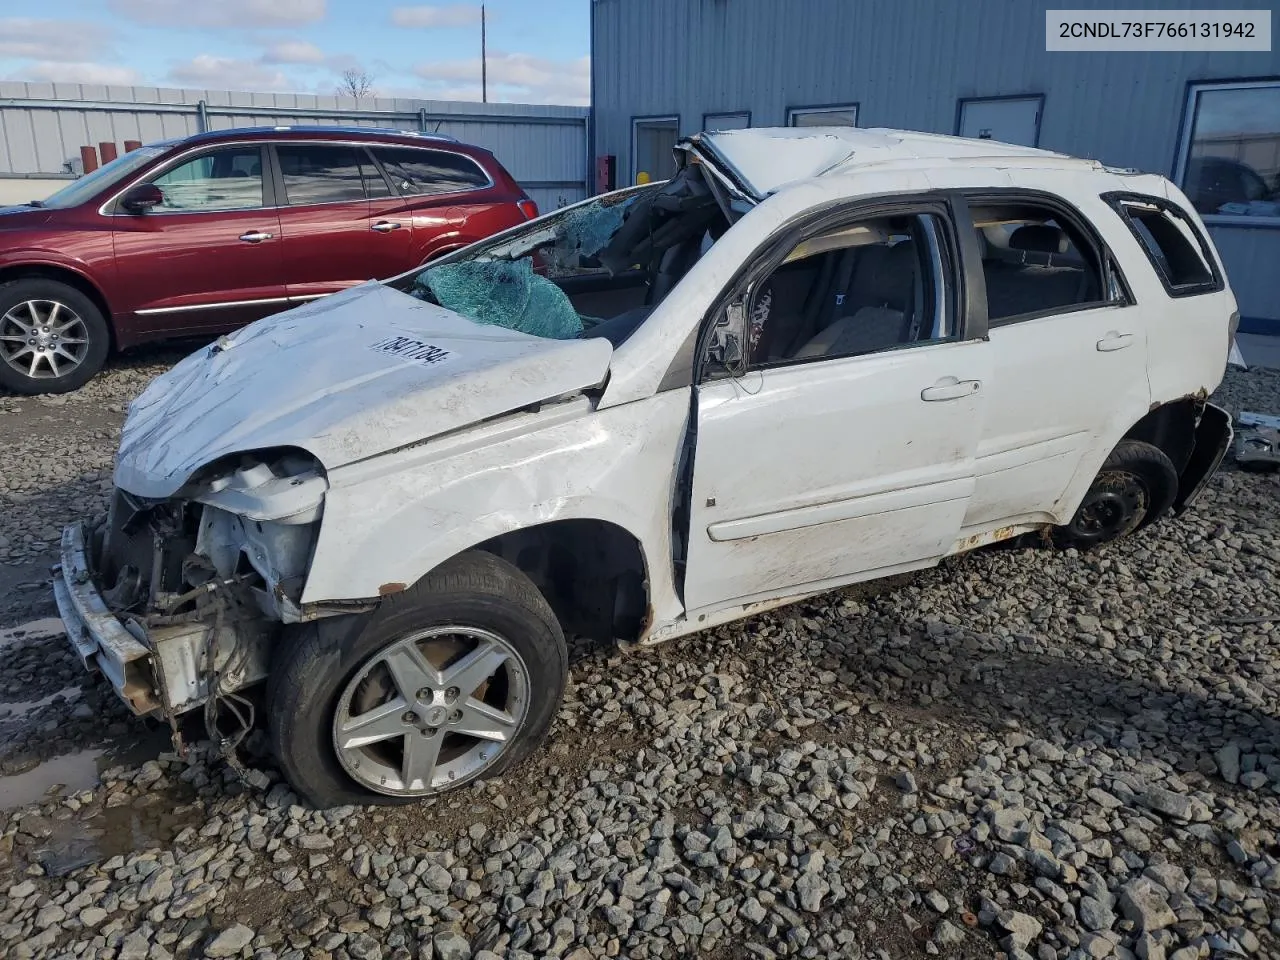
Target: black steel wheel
column 1136, row 486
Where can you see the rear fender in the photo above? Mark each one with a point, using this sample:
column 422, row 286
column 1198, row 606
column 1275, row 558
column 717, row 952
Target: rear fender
column 1212, row 440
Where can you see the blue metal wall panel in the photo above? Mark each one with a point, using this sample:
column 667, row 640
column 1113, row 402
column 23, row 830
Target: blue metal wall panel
column 907, row 63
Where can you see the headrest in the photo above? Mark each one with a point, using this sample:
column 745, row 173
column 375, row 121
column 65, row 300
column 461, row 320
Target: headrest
column 1039, row 238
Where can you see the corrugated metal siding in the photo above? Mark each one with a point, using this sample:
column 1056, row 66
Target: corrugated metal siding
column 1251, row 255
column 907, row 63
column 543, row 146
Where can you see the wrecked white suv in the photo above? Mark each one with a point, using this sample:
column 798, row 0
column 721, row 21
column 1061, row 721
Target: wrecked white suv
column 811, row 358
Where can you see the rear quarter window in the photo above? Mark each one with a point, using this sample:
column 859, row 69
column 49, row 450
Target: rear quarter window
column 417, row 172
column 1177, row 249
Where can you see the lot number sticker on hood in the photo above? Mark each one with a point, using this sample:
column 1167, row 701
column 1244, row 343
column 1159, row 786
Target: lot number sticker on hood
column 416, row 351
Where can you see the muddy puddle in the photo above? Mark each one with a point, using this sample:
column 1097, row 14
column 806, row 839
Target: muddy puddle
column 61, row 839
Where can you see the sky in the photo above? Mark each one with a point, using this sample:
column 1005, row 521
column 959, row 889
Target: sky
column 538, row 51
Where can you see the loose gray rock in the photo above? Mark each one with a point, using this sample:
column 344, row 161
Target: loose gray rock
column 230, row 941
column 1142, row 903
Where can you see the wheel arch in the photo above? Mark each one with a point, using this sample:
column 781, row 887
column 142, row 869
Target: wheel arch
column 1193, row 434
column 592, row 572
column 62, row 274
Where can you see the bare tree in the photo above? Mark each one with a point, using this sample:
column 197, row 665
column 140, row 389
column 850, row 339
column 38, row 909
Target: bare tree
column 356, row 83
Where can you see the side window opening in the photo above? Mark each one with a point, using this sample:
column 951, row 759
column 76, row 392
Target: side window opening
column 864, row 288
column 1173, row 245
column 326, row 173
column 1036, row 262
column 229, row 178
column 597, row 269
column 419, row 172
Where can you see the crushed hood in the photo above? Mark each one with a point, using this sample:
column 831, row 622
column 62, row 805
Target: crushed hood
column 348, row 377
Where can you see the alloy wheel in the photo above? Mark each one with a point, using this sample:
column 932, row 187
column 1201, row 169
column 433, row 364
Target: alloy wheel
column 432, row 710
column 43, row 339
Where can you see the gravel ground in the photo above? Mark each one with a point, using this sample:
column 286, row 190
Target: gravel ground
column 1023, row 752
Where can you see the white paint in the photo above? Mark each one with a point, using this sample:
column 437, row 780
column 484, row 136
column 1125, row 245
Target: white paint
column 822, row 470
column 306, row 378
column 768, row 159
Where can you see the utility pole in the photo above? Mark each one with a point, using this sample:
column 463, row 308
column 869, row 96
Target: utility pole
column 484, row 60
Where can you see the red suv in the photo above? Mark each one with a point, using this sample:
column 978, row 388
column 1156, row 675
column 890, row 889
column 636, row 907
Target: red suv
column 201, row 235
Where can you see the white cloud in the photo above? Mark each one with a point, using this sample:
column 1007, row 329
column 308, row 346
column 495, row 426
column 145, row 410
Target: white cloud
column 293, row 51
column 229, row 73
column 453, row 15
column 66, row 40
column 63, row 72
column 242, row 14
column 513, row 77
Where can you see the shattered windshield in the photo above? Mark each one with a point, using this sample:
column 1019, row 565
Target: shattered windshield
column 594, row 269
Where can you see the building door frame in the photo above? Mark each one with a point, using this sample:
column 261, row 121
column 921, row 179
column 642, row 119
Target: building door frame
column 636, row 124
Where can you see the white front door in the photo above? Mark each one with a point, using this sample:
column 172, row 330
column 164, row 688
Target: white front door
column 1009, row 120
column 846, row 448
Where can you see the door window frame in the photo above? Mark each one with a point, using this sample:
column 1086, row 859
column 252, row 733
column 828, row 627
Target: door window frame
column 948, row 206
column 112, row 207
column 1038, row 97
column 1112, row 272
column 277, row 174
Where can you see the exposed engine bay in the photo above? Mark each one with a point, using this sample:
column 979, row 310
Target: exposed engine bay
column 204, row 581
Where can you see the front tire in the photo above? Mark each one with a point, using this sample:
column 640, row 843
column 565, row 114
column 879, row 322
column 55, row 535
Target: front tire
column 1136, row 486
column 446, row 683
column 53, row 338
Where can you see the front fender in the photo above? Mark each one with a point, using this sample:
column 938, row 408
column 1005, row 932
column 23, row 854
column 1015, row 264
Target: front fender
column 390, row 520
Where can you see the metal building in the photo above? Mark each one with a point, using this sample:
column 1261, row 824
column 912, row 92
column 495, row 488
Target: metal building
column 1210, row 120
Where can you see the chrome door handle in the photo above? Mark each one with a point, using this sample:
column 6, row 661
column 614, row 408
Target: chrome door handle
column 255, row 236
column 949, row 388
column 384, row 226
column 1114, row 340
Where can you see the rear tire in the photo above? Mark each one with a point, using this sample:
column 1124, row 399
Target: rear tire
column 53, row 338
column 1136, row 486
column 392, row 678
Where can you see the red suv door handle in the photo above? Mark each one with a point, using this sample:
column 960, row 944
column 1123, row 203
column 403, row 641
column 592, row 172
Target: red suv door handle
column 255, row 236
column 384, row 226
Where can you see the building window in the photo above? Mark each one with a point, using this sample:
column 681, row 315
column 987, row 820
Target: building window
column 714, row 122
column 653, row 142
column 1229, row 163
column 1006, row 119
column 833, row 115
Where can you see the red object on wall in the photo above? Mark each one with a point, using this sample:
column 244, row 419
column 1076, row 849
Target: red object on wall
column 108, row 151
column 606, row 174
column 131, row 145
column 88, row 159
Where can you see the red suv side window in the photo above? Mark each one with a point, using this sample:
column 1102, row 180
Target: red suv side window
column 419, row 172
column 320, row 173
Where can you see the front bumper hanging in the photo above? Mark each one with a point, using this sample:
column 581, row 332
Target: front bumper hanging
column 157, row 667
column 100, row 639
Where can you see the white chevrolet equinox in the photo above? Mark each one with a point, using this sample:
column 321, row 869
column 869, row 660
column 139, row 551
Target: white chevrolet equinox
column 813, row 357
